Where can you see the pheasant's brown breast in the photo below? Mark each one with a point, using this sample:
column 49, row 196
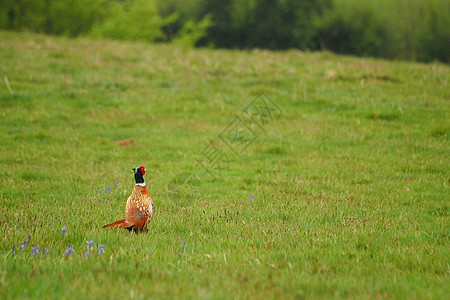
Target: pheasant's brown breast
column 139, row 205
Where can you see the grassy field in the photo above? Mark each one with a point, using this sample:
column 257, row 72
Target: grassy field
column 342, row 193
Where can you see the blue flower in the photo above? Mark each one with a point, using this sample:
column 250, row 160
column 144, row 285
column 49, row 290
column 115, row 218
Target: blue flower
column 184, row 245
column 100, row 249
column 90, row 243
column 35, row 250
column 251, row 197
column 117, row 184
column 68, row 251
column 100, row 191
column 14, row 249
column 64, row 230
column 86, row 254
column 96, row 191
column 46, row 251
column 23, row 245
column 29, row 238
column 110, row 189
column 104, row 188
column 151, row 251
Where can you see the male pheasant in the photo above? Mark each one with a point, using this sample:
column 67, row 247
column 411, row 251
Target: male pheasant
column 139, row 208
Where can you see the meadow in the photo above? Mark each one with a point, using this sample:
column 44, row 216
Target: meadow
column 343, row 193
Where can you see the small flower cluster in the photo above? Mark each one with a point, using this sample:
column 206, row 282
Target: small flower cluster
column 90, row 243
column 24, row 244
column 69, row 250
column 64, row 230
column 99, row 251
column 35, row 250
column 110, row 188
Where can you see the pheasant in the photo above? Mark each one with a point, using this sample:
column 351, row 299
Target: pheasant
column 139, row 207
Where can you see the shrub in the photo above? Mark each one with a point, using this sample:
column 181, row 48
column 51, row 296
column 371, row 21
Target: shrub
column 351, row 29
column 132, row 20
column 412, row 29
column 60, row 17
column 192, row 32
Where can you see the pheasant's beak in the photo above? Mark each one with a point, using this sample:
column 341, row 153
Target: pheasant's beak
column 145, row 170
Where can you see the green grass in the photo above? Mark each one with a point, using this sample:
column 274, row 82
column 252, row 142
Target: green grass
column 350, row 183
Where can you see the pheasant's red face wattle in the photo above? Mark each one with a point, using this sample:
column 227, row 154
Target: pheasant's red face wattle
column 142, row 170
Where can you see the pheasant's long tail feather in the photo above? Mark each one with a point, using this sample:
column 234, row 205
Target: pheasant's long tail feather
column 119, row 224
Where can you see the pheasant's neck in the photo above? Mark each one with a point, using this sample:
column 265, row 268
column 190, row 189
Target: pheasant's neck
column 139, row 179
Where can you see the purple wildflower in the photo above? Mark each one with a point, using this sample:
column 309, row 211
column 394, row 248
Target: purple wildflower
column 14, row 249
column 35, row 250
column 23, row 245
column 184, row 245
column 68, row 251
column 46, row 251
column 29, row 238
column 104, row 188
column 86, row 254
column 151, row 251
column 251, row 197
column 110, row 189
column 100, row 191
column 100, row 249
column 90, row 243
column 64, row 230
column 117, row 184
column 96, row 191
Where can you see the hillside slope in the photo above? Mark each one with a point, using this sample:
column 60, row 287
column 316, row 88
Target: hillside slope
column 337, row 188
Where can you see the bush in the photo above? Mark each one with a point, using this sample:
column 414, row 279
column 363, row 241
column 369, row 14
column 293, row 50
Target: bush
column 434, row 38
column 413, row 29
column 132, row 20
column 142, row 20
column 274, row 24
column 351, row 29
column 60, row 17
column 192, row 32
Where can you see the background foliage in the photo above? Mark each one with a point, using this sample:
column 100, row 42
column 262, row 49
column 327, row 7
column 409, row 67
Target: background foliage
column 402, row 29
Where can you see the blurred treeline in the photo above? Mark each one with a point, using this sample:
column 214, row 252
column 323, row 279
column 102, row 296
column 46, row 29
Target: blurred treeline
column 401, row 29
